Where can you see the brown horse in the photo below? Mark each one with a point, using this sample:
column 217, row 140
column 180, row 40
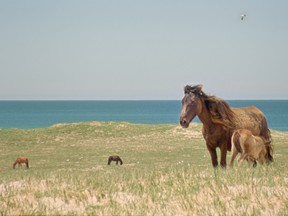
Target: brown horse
column 21, row 160
column 220, row 120
column 251, row 147
column 115, row 158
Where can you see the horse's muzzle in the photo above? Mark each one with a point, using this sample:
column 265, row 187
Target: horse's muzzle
column 184, row 123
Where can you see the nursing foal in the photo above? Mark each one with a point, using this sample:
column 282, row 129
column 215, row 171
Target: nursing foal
column 251, row 147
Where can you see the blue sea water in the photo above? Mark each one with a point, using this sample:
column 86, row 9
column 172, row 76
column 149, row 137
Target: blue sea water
column 40, row 114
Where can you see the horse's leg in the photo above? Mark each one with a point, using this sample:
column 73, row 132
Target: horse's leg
column 27, row 164
column 223, row 156
column 117, row 162
column 213, row 155
column 262, row 156
column 233, row 156
column 14, row 165
column 250, row 161
column 261, row 159
column 242, row 158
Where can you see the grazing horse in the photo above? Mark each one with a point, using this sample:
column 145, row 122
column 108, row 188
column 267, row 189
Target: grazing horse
column 251, row 147
column 220, row 121
column 21, row 160
column 115, row 158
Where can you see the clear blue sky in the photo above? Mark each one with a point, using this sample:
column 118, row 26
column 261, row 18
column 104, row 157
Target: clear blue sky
column 66, row 49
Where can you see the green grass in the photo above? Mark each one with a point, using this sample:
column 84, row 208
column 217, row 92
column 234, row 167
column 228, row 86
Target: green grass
column 167, row 171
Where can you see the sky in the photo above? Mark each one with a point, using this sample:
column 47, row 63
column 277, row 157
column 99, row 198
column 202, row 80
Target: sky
column 142, row 50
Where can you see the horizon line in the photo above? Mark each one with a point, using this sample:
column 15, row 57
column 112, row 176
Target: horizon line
column 130, row 99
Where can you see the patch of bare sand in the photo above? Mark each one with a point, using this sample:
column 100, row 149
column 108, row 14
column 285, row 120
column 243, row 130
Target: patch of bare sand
column 59, row 125
column 95, row 124
column 65, row 124
column 59, row 139
column 179, row 131
column 122, row 125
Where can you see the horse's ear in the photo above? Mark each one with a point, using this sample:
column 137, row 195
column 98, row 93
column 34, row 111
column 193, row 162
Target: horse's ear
column 187, row 89
column 197, row 89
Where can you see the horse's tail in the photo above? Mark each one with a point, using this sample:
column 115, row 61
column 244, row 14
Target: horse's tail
column 269, row 146
column 235, row 141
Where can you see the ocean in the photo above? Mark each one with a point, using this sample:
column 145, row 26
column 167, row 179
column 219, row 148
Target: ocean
column 41, row 114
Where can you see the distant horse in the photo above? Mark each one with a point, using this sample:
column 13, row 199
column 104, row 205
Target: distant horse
column 251, row 147
column 21, row 160
column 220, row 121
column 115, row 158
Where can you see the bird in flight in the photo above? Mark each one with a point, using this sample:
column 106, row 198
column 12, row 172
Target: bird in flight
column 243, row 16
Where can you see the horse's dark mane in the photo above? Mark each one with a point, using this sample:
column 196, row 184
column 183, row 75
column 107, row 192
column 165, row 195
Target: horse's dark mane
column 219, row 110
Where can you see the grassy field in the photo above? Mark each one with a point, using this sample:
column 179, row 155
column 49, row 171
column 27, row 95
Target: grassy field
column 166, row 171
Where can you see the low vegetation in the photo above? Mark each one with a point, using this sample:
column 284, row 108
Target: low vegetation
column 167, row 171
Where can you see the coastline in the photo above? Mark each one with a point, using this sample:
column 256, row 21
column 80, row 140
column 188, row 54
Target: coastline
column 43, row 114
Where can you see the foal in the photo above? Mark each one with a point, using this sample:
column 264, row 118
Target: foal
column 21, row 160
column 251, row 147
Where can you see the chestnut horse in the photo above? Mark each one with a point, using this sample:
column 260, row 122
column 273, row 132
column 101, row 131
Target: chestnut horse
column 251, row 147
column 21, row 160
column 220, row 120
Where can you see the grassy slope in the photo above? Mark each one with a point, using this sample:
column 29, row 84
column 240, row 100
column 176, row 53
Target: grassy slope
column 166, row 171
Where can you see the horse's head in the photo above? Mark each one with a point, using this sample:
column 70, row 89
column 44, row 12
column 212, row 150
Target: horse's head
column 191, row 104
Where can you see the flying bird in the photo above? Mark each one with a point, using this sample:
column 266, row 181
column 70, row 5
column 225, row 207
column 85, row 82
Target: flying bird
column 243, row 16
